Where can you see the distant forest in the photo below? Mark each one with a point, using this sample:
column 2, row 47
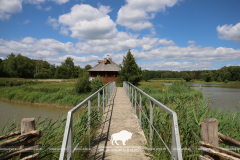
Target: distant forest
column 24, row 67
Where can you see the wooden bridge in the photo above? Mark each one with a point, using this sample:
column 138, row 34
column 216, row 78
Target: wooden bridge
column 119, row 116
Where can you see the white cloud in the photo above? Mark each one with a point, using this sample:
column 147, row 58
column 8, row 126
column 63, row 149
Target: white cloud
column 39, row 7
column 48, row 8
column 2, row 58
column 64, row 31
column 37, row 2
column 191, row 42
column 26, row 21
column 137, row 13
column 176, row 66
column 229, row 32
column 28, row 40
column 86, row 22
column 52, row 22
column 190, row 53
column 8, row 7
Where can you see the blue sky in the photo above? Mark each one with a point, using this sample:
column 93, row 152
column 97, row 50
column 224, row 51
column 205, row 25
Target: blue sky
column 162, row 34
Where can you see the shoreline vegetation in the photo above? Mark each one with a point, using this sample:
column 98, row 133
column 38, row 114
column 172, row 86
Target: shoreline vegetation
column 188, row 103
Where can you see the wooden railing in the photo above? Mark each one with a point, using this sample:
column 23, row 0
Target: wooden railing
column 20, row 143
column 210, row 142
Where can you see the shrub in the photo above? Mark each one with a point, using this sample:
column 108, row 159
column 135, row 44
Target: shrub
column 226, row 81
column 219, row 79
column 82, row 85
column 97, row 84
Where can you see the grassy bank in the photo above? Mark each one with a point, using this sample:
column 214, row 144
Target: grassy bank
column 58, row 93
column 191, row 110
column 53, row 131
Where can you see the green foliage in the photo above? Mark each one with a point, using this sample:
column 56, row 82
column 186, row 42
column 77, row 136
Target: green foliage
column 219, row 79
column 207, row 76
column 226, row 81
column 68, row 63
column 187, row 77
column 52, row 133
column 191, row 110
column 82, row 85
column 227, row 76
column 43, row 73
column 88, row 66
column 130, row 71
column 97, row 83
column 62, row 72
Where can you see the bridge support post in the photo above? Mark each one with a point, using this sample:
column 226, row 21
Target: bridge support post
column 89, row 123
column 70, row 141
column 151, row 122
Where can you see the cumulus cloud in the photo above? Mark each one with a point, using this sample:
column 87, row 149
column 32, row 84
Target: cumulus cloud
column 191, row 42
column 8, row 7
column 190, row 53
column 37, row 2
column 229, row 32
column 28, row 40
column 52, row 22
column 87, row 22
column 176, row 66
column 137, row 13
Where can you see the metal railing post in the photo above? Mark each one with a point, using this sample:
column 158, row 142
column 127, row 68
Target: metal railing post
column 89, row 122
column 151, row 122
column 140, row 112
column 103, row 100
column 176, row 145
column 70, row 140
column 132, row 96
column 98, row 105
column 106, row 95
column 135, row 101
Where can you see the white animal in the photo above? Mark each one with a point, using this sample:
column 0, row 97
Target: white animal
column 122, row 136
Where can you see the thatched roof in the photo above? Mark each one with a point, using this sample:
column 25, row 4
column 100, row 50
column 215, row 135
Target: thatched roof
column 108, row 66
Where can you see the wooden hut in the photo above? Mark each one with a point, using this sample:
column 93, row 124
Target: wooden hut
column 106, row 68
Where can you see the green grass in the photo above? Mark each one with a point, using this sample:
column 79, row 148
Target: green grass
column 53, row 131
column 191, row 109
column 57, row 93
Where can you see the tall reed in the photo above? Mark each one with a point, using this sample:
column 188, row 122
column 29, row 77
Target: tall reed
column 191, row 109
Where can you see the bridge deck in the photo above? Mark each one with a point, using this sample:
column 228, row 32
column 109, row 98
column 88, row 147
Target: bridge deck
column 119, row 115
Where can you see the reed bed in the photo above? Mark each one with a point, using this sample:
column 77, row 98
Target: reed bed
column 191, row 109
column 57, row 93
column 53, row 131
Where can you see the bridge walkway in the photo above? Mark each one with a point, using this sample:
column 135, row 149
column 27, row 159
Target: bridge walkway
column 119, row 116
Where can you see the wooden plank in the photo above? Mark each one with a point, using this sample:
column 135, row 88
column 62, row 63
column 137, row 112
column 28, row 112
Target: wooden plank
column 222, row 155
column 229, row 140
column 30, row 157
column 10, row 134
column 220, row 149
column 11, row 154
column 31, row 133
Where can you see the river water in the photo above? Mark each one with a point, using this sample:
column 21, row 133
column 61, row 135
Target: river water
column 222, row 96
column 12, row 111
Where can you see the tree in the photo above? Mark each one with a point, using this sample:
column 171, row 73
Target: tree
column 70, row 65
column 61, row 72
column 130, row 71
column 88, row 66
column 82, row 85
column 97, row 83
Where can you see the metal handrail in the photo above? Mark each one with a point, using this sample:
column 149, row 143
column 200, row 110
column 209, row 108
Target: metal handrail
column 176, row 152
column 67, row 144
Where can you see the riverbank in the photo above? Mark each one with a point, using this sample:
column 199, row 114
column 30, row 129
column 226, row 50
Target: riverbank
column 191, row 109
column 58, row 94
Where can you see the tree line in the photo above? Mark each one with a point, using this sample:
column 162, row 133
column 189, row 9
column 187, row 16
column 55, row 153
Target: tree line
column 231, row 73
column 24, row 67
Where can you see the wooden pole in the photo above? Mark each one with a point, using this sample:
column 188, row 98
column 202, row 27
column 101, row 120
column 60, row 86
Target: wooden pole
column 209, row 133
column 27, row 125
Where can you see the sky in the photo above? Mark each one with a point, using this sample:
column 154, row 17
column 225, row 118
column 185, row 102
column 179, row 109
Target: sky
column 161, row 34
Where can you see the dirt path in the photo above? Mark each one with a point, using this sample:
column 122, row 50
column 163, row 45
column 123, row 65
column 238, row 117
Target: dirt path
column 119, row 116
